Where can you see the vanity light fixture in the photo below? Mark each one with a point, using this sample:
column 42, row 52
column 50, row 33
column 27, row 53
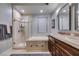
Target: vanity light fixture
column 41, row 11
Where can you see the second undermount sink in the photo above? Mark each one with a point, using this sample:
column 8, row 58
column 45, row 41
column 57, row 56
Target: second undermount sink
column 74, row 40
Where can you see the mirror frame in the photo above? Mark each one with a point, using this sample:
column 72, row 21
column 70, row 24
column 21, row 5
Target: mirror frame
column 69, row 17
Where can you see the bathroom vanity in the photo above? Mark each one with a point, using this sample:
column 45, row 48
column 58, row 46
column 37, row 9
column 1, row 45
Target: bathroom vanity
column 63, row 45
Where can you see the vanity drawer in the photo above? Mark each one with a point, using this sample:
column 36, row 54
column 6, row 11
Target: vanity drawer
column 59, row 48
column 67, row 48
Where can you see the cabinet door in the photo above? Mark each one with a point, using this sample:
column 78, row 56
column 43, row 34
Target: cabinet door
column 59, row 48
column 63, row 50
column 56, row 52
column 50, row 46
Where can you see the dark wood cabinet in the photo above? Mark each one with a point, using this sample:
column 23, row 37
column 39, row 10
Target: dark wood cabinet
column 51, row 45
column 59, row 48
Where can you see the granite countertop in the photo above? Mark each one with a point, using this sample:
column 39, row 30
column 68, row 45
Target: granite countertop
column 71, row 40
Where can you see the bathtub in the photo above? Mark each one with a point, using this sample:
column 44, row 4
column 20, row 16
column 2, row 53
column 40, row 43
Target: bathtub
column 37, row 44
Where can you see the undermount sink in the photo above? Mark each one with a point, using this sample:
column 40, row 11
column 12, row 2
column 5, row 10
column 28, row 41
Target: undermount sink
column 74, row 40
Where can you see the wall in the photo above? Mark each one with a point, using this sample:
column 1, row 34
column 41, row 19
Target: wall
column 19, row 38
column 6, row 45
column 35, row 25
column 5, row 18
column 31, row 25
column 54, row 16
column 5, row 14
column 73, row 18
column 27, row 19
column 64, row 22
column 18, row 35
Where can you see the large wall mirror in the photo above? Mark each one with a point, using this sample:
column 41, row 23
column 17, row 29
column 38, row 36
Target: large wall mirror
column 77, row 16
column 64, row 18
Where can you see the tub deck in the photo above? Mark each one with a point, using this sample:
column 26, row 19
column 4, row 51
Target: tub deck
column 37, row 44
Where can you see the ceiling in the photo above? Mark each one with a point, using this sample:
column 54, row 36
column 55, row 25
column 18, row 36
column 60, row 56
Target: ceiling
column 34, row 8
